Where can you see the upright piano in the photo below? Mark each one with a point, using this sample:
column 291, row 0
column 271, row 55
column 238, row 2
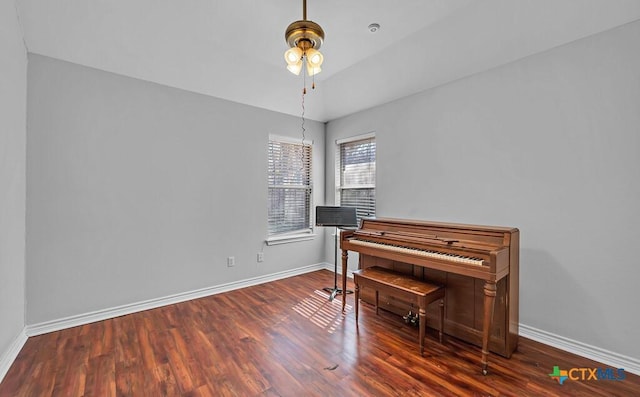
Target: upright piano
column 478, row 265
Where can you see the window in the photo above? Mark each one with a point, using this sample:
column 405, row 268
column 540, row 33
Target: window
column 289, row 180
column 356, row 174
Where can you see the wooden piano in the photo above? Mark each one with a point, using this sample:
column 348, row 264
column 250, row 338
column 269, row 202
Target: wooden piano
column 477, row 264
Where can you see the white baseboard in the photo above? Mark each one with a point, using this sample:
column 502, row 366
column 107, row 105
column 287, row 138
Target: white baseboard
column 609, row 358
column 8, row 357
column 99, row 315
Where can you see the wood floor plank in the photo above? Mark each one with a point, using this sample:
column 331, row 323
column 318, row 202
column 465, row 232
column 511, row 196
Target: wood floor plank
column 283, row 338
column 101, row 381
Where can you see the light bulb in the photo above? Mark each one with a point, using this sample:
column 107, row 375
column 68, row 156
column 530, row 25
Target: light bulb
column 314, row 57
column 313, row 70
column 293, row 55
column 295, row 68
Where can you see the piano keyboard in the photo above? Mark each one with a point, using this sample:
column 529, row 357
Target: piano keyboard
column 419, row 252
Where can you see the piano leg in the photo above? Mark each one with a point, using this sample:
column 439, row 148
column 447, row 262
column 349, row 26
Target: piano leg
column 357, row 301
column 441, row 320
column 345, row 256
column 489, row 302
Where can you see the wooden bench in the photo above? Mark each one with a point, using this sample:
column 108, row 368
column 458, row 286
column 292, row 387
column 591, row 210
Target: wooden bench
column 418, row 292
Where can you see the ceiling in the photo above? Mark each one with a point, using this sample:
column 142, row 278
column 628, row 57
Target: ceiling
column 233, row 49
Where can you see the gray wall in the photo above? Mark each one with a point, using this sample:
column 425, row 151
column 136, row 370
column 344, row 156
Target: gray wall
column 549, row 144
column 138, row 191
column 13, row 102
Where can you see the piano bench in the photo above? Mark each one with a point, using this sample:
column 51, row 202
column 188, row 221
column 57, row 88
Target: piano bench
column 419, row 292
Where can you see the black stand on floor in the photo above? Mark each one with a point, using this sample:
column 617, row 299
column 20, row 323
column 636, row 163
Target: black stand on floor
column 338, row 217
column 335, row 290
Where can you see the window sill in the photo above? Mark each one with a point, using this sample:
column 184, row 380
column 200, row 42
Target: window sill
column 291, row 238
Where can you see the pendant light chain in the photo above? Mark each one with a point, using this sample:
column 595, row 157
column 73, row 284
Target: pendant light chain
column 304, row 130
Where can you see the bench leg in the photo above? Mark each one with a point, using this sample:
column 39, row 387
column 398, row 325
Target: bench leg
column 441, row 319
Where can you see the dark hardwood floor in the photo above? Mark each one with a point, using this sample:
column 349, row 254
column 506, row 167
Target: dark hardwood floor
column 282, row 338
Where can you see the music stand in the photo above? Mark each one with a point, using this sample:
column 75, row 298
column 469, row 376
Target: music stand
column 337, row 217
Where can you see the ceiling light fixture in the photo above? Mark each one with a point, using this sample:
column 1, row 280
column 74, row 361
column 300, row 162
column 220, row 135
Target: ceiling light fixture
column 304, row 39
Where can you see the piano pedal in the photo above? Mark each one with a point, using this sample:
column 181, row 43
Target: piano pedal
column 411, row 318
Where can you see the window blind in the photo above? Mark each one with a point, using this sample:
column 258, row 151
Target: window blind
column 357, row 175
column 289, row 181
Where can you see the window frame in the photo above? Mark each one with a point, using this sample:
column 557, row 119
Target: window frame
column 307, row 233
column 339, row 188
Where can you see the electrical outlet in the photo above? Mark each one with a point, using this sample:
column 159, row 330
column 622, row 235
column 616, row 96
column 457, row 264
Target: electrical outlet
column 231, row 261
column 260, row 256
